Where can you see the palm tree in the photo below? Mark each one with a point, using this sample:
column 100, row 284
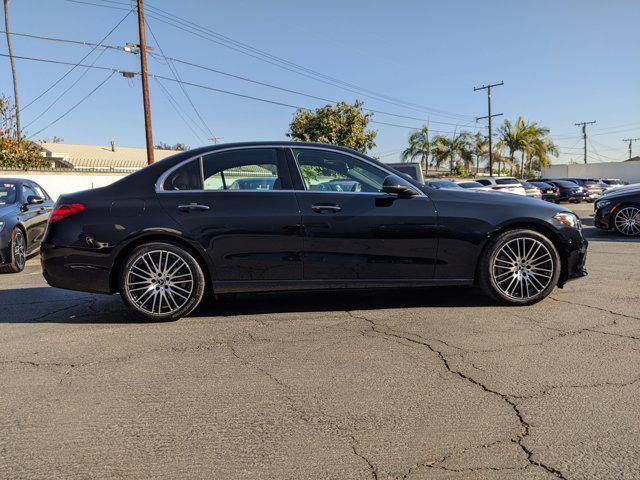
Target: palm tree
column 480, row 148
column 450, row 148
column 542, row 149
column 419, row 146
column 513, row 137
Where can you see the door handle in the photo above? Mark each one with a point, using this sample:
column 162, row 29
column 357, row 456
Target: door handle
column 193, row 207
column 326, row 207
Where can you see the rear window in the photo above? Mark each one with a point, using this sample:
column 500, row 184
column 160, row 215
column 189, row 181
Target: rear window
column 470, row 184
column 7, row 193
column 484, row 182
column 407, row 169
column 565, row 183
column 507, row 181
column 443, row 184
column 540, row 184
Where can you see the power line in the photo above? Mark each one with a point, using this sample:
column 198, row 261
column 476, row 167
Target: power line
column 75, row 106
column 169, row 60
column 207, row 34
column 78, row 63
column 176, row 106
column 174, row 72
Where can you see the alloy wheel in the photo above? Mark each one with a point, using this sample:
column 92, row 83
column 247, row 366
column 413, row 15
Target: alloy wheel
column 19, row 250
column 522, row 268
column 159, row 282
column 627, row 221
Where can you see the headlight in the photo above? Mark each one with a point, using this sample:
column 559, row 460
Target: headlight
column 602, row 203
column 569, row 219
column 1, row 226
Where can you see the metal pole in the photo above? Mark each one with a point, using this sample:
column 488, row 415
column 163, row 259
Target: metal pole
column 13, row 71
column 584, row 135
column 630, row 140
column 490, row 116
column 145, row 83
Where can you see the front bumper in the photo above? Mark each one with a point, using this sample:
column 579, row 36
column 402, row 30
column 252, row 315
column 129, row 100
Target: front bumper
column 602, row 218
column 575, row 255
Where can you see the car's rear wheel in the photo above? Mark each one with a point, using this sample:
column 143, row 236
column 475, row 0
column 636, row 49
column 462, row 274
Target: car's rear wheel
column 18, row 254
column 519, row 267
column 161, row 281
column 627, row 221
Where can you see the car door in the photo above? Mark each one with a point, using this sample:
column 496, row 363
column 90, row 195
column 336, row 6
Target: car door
column 352, row 229
column 30, row 217
column 42, row 211
column 239, row 205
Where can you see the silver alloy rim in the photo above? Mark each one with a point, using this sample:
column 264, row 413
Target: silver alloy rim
column 19, row 252
column 159, row 282
column 628, row 221
column 522, row 268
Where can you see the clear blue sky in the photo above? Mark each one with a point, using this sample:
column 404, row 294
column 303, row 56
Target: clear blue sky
column 561, row 61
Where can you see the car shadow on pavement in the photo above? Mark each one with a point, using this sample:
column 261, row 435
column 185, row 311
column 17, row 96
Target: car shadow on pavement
column 594, row 234
column 50, row 305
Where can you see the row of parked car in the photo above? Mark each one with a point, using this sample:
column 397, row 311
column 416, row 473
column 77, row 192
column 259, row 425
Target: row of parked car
column 574, row 190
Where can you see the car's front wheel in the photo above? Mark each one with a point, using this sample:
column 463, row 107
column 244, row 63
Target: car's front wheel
column 519, row 267
column 161, row 281
column 627, row 221
column 18, row 254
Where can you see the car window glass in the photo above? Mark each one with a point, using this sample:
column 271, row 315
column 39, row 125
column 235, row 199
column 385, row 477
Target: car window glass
column 506, row 181
column 484, row 182
column 7, row 193
column 323, row 170
column 27, row 191
column 245, row 169
column 40, row 191
column 187, row 177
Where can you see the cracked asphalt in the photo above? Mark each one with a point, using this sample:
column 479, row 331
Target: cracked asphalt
column 404, row 384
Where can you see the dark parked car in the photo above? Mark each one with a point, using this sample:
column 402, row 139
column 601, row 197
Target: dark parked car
column 594, row 190
column 443, row 184
column 164, row 240
column 569, row 191
column 414, row 170
column 619, row 210
column 24, row 210
column 550, row 193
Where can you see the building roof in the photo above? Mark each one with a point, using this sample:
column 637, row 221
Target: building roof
column 633, row 159
column 87, row 156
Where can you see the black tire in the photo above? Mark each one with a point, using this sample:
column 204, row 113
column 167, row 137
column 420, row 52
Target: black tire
column 18, row 254
column 490, row 263
column 154, row 284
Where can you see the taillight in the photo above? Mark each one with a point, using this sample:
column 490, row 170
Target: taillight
column 65, row 210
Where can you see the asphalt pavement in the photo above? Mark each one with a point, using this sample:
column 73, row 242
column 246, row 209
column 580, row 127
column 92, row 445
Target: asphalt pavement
column 402, row 384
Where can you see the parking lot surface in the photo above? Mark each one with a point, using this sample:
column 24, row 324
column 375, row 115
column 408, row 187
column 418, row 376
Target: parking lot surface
column 404, row 384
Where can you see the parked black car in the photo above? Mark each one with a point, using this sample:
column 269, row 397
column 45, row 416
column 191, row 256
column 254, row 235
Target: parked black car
column 594, row 190
column 569, row 191
column 24, row 210
column 165, row 235
column 550, row 193
column 619, row 210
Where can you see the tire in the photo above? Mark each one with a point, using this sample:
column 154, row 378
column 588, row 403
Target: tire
column 18, row 253
column 161, row 282
column 506, row 274
column 626, row 221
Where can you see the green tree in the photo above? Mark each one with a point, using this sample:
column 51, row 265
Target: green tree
column 451, row 148
column 14, row 152
column 419, row 146
column 480, row 148
column 342, row 124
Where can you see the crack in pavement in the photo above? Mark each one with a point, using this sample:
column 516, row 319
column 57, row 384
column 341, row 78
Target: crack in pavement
column 524, row 425
column 606, row 310
column 548, row 390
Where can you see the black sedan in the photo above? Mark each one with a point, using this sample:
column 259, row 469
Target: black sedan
column 619, row 210
column 550, row 193
column 24, row 210
column 569, row 191
column 169, row 234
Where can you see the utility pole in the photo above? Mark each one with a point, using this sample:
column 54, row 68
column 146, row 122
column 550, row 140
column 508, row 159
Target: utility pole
column 13, row 71
column 630, row 140
column 145, row 82
column 489, row 116
column 584, row 135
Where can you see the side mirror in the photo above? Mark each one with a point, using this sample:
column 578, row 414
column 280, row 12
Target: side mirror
column 34, row 200
column 394, row 185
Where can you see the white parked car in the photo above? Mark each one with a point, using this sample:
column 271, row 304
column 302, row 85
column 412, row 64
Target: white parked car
column 503, row 184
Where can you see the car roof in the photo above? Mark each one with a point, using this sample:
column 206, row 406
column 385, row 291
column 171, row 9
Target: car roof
column 12, row 180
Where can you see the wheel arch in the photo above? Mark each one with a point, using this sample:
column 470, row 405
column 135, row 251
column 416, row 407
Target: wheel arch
column 149, row 237
column 539, row 227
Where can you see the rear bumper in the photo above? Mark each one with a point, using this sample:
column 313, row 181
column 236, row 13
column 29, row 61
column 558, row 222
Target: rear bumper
column 74, row 269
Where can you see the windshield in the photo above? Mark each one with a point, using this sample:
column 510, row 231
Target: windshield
column 613, row 181
column 443, row 184
column 7, row 193
column 507, row 181
column 541, row 184
column 470, row 184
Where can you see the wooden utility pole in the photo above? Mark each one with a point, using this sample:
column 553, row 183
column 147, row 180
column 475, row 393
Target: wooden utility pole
column 13, row 71
column 630, row 140
column 584, row 135
column 145, row 83
column 489, row 116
